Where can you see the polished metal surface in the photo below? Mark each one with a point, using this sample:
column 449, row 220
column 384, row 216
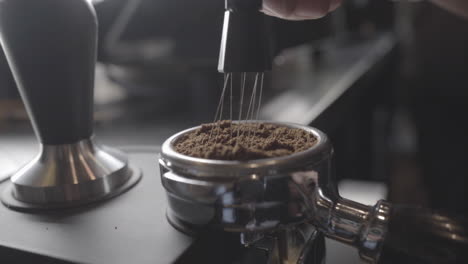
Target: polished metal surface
column 223, row 170
column 7, row 167
column 269, row 194
column 71, row 174
column 299, row 244
column 373, row 235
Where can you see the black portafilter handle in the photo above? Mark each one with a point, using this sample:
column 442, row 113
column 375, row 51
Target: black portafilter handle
column 246, row 39
column 50, row 46
column 420, row 235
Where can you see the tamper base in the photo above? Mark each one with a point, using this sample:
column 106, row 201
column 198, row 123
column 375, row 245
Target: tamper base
column 68, row 175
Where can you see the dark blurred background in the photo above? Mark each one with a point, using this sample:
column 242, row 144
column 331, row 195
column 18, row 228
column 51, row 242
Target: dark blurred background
column 388, row 82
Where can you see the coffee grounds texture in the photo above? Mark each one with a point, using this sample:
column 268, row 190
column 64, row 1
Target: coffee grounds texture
column 225, row 140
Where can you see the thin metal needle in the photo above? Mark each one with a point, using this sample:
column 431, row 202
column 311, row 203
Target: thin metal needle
column 221, row 99
column 243, row 77
column 230, row 105
column 259, row 100
column 260, row 96
column 219, row 110
column 253, row 101
column 254, row 93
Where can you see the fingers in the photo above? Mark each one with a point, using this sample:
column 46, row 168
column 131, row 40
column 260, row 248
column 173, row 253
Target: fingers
column 311, row 9
column 299, row 9
column 334, row 4
column 280, row 8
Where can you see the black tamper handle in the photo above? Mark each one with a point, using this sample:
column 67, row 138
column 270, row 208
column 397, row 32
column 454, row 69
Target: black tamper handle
column 50, row 46
column 420, row 235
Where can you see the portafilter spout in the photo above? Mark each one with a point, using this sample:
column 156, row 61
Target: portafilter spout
column 266, row 195
column 245, row 43
column 50, row 46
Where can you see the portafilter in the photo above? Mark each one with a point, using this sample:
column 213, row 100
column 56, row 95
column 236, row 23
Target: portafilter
column 260, row 197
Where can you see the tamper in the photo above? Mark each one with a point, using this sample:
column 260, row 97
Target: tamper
column 50, row 46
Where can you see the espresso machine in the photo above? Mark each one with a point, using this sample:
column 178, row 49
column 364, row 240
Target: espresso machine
column 188, row 210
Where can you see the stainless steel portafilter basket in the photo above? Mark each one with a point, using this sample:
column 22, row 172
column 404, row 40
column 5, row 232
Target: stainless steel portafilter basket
column 257, row 197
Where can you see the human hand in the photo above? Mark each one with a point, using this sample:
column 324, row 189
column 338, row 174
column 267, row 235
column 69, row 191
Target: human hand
column 299, row 9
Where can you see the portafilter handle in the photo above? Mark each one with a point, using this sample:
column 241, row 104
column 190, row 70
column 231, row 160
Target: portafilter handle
column 50, row 46
column 393, row 233
column 421, row 235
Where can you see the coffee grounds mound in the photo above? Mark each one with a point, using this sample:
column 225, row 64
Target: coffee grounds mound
column 225, row 140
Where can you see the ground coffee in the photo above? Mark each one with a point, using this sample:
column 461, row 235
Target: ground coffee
column 225, row 140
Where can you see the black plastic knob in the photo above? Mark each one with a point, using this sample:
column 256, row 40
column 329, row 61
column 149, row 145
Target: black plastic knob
column 50, row 46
